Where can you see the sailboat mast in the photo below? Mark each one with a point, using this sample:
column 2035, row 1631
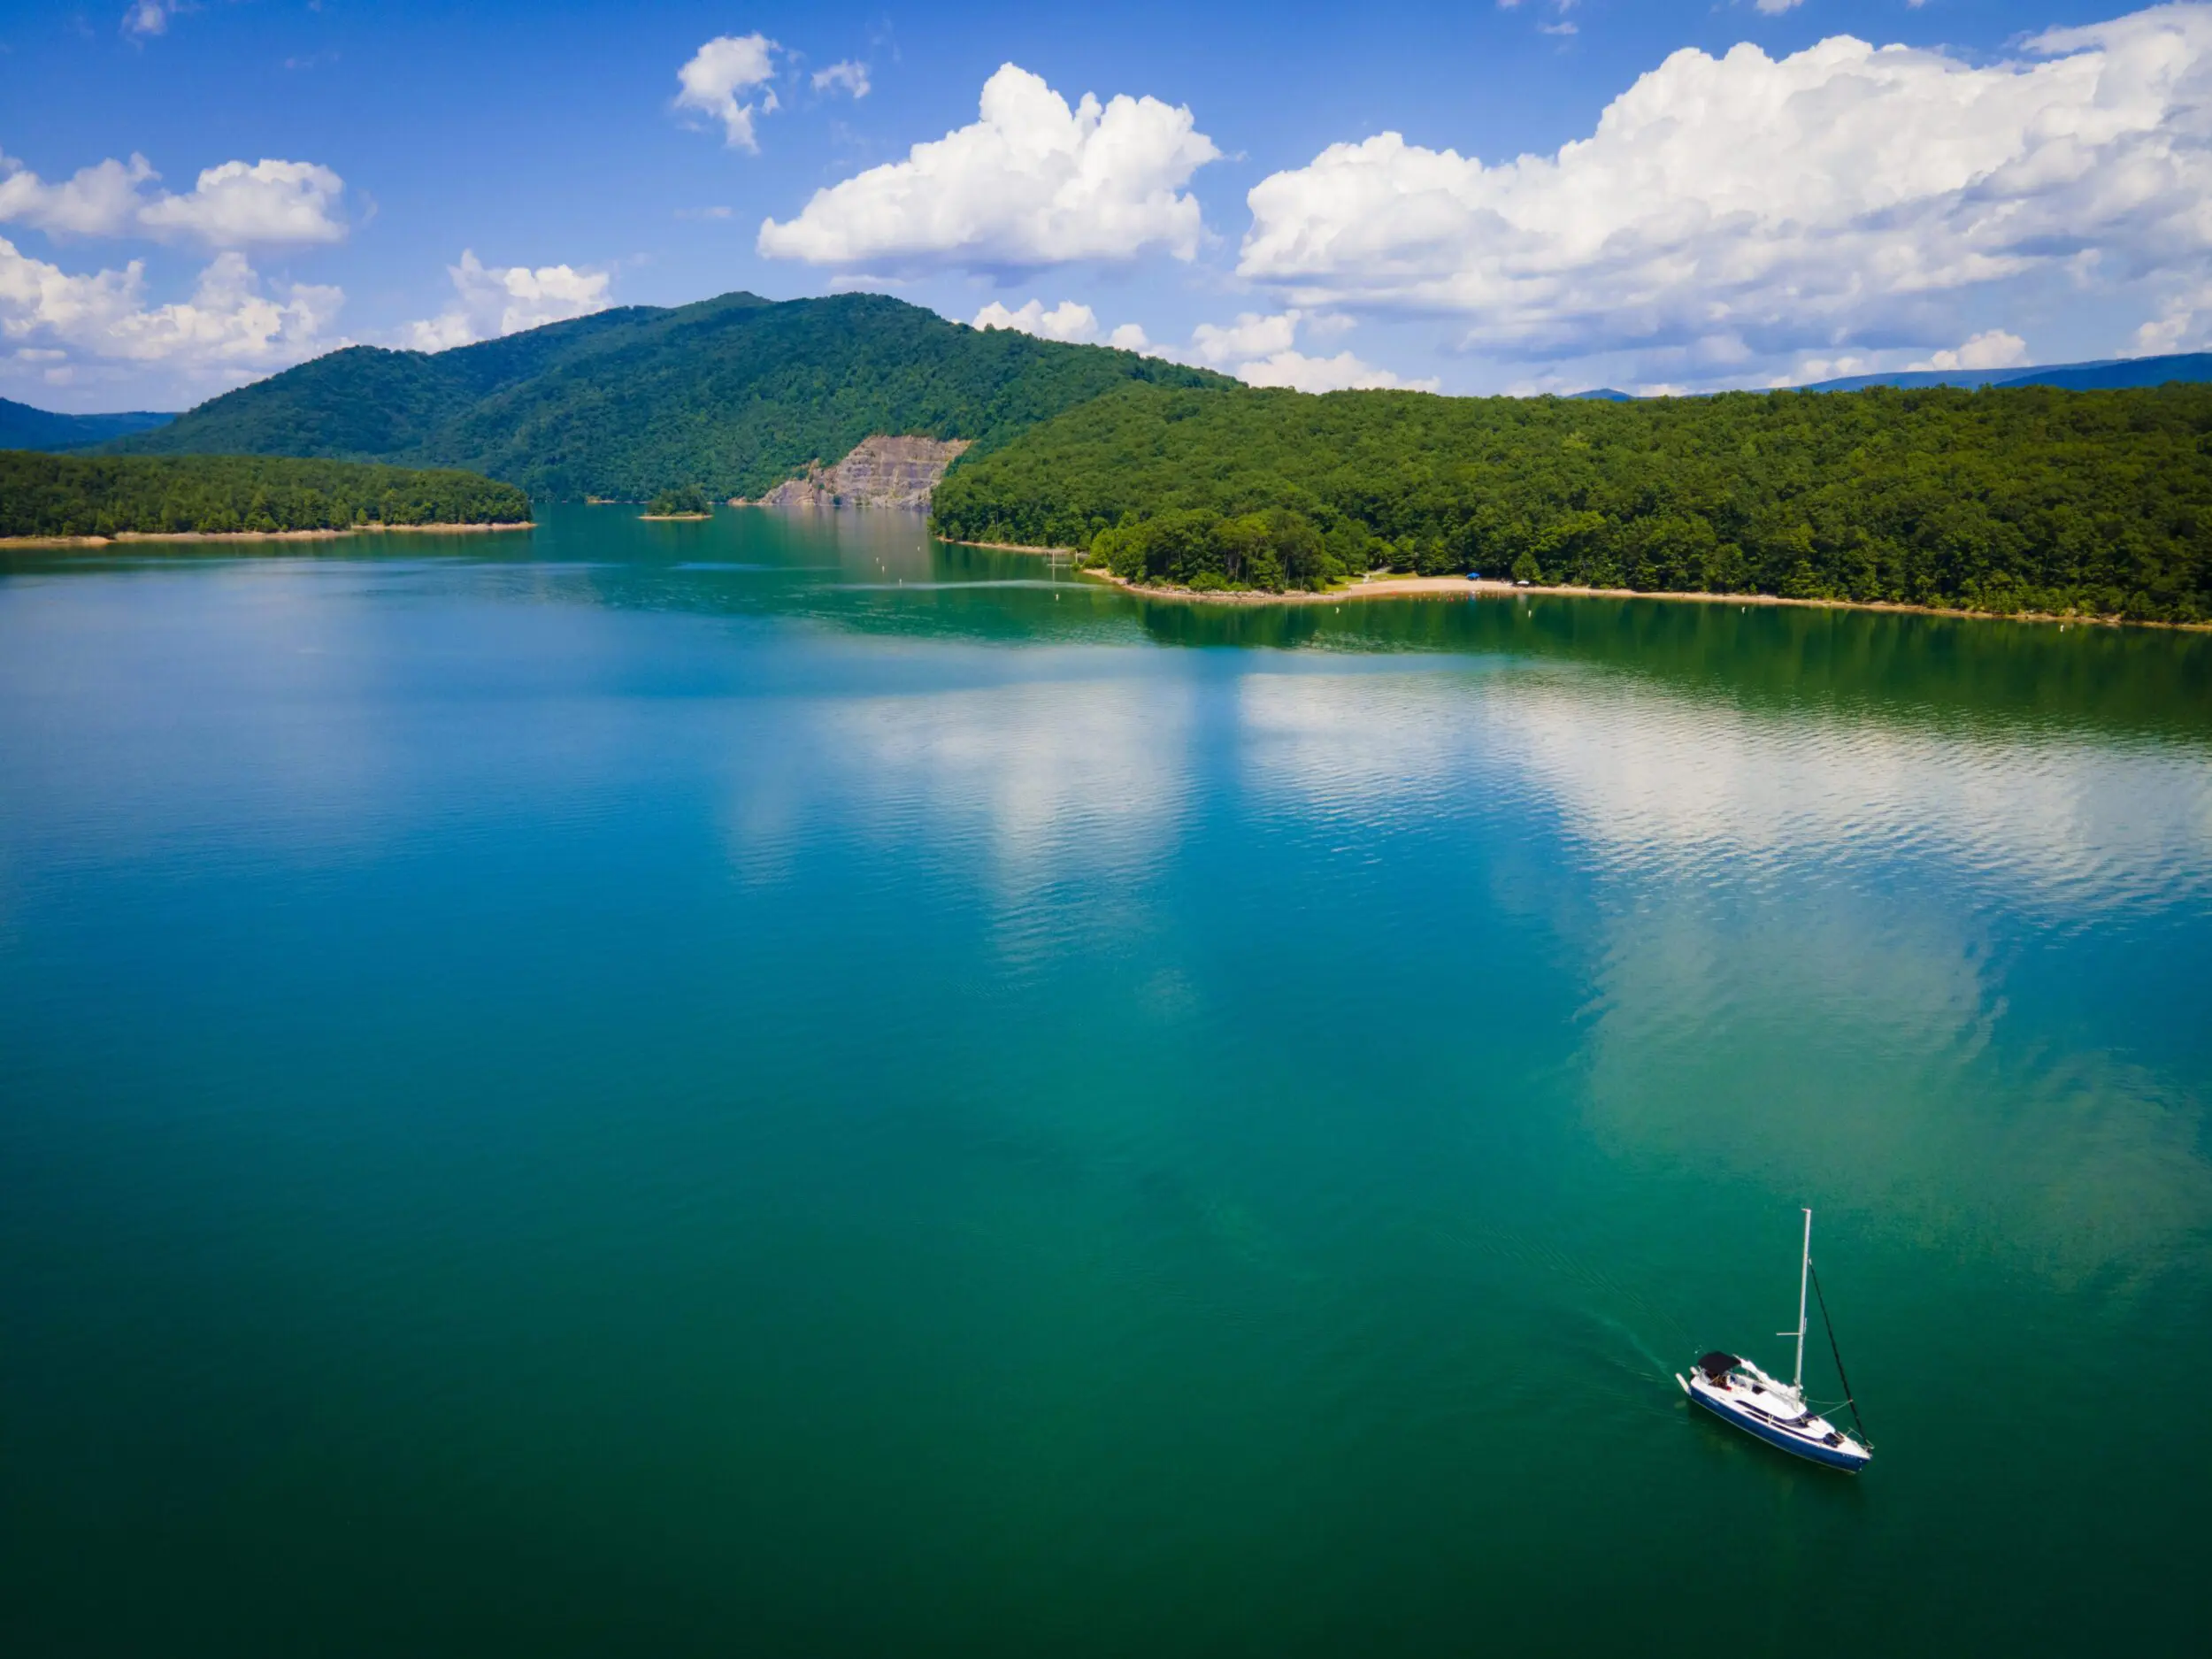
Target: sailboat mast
column 1804, row 1272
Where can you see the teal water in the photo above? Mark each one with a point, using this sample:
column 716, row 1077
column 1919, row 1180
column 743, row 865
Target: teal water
column 773, row 1086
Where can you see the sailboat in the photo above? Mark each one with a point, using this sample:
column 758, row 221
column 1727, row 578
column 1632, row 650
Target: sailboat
column 1737, row 1391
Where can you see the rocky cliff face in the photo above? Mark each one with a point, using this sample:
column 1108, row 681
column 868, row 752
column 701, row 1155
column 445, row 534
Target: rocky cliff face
column 882, row 471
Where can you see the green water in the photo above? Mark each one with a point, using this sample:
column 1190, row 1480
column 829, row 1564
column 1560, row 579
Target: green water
column 769, row 1086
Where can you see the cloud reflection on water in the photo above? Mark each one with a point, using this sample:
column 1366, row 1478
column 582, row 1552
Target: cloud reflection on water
column 1648, row 780
column 1044, row 785
column 1902, row 848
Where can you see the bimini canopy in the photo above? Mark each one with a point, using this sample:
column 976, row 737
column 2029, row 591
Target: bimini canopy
column 1717, row 1364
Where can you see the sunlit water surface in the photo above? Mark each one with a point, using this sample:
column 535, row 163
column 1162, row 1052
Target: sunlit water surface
column 776, row 1087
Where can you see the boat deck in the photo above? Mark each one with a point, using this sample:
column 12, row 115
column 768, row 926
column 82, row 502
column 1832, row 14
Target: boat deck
column 1776, row 1413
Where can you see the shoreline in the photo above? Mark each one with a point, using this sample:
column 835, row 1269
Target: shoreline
column 673, row 518
column 1020, row 547
column 123, row 536
column 1420, row 587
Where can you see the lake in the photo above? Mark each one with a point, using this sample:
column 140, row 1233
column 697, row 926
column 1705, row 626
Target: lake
column 773, row 1086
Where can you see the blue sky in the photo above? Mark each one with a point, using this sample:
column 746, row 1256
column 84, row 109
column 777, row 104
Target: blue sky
column 1748, row 198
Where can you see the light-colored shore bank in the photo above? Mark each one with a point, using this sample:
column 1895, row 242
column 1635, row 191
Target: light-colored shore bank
column 1014, row 547
column 1431, row 587
column 254, row 535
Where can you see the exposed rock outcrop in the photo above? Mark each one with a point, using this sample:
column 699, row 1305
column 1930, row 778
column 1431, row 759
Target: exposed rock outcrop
column 882, row 471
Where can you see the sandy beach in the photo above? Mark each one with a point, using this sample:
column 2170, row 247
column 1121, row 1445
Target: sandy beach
column 1434, row 587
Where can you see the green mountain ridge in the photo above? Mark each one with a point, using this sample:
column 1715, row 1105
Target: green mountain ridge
column 734, row 394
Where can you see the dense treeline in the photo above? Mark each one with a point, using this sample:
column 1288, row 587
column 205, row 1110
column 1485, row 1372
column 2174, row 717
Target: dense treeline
column 735, row 395
column 70, row 496
column 2005, row 500
column 1209, row 552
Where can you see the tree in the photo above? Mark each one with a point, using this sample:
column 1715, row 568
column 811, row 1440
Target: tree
column 680, row 501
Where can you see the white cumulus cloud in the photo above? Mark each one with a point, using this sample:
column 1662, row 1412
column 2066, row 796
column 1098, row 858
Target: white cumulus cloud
column 490, row 301
column 1342, row 372
column 1067, row 320
column 1993, row 348
column 719, row 81
column 2184, row 324
column 849, row 76
column 229, row 331
column 1262, row 350
column 102, row 200
column 1071, row 321
column 238, row 205
column 1251, row 336
column 1745, row 207
column 1032, row 183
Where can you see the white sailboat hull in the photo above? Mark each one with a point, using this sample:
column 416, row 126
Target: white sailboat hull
column 1747, row 1398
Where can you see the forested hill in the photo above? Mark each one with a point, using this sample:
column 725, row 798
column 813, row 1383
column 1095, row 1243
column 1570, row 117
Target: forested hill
column 734, row 394
column 86, row 496
column 2008, row 499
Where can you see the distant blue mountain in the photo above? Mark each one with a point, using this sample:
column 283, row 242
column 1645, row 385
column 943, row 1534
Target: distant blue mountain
column 2104, row 375
column 1968, row 378
column 24, row 427
column 2188, row 365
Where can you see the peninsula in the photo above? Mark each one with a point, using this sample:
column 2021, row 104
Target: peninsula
column 92, row 500
column 2010, row 500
